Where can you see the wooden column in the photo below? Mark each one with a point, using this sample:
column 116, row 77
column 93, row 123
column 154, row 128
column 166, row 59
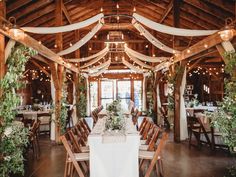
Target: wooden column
column 157, row 77
column 77, row 55
column 2, row 42
column 179, row 78
column 58, row 70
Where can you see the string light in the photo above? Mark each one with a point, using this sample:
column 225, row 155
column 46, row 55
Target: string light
column 71, row 44
column 40, row 42
column 205, row 45
column 55, row 46
column 101, row 9
column 188, row 51
column 134, row 9
column 117, row 6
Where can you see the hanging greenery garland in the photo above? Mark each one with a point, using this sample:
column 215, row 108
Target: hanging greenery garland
column 13, row 135
column 225, row 118
column 64, row 109
column 81, row 98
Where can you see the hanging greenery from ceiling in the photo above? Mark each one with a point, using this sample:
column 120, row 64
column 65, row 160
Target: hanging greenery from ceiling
column 13, row 135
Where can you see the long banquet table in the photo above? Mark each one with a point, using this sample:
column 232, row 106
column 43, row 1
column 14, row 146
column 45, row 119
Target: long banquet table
column 114, row 154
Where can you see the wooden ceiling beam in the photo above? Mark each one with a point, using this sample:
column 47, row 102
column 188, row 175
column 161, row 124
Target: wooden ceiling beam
column 167, row 11
column 210, row 41
column 204, row 17
column 28, row 20
column 225, row 5
column 31, row 8
column 66, row 13
column 201, row 6
column 16, row 4
column 42, row 50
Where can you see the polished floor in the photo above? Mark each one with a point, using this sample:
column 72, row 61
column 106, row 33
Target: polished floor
column 179, row 161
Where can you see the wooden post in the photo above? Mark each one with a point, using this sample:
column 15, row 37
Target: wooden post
column 177, row 96
column 77, row 55
column 2, row 42
column 157, row 77
column 58, row 70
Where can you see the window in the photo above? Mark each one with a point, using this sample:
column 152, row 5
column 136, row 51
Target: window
column 138, row 94
column 124, row 93
column 107, row 93
column 93, row 95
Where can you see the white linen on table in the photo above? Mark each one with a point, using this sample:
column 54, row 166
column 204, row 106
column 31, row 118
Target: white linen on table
column 117, row 157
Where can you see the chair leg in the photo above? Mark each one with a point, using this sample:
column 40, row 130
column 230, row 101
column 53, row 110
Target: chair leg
column 160, row 166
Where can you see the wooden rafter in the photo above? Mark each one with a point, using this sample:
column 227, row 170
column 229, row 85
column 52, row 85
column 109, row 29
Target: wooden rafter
column 167, row 11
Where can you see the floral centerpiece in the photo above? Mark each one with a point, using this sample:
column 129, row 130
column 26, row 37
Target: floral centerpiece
column 115, row 120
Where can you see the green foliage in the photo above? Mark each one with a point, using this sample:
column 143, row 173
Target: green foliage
column 64, row 109
column 81, row 90
column 225, row 118
column 172, row 78
column 13, row 137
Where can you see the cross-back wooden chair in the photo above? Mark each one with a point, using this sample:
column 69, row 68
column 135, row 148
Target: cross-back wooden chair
column 154, row 157
column 148, row 126
column 80, row 136
column 141, row 127
column 74, row 161
column 152, row 139
column 34, row 138
column 86, row 124
column 197, row 129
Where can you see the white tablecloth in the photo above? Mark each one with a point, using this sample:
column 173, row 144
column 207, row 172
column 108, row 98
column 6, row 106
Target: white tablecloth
column 114, row 154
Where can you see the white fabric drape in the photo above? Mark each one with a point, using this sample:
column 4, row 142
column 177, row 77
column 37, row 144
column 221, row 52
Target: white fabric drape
column 99, row 72
column 105, row 50
column 87, row 96
column 152, row 39
column 144, row 92
column 11, row 43
column 60, row 29
column 96, row 68
column 53, row 125
column 144, row 57
column 139, row 62
column 81, row 42
column 132, row 67
column 93, row 61
column 228, row 46
column 171, row 30
column 161, row 66
column 183, row 116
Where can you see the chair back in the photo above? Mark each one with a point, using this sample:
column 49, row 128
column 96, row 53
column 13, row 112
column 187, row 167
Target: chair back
column 71, row 155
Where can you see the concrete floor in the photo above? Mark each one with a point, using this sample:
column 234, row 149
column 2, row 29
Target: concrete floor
column 178, row 159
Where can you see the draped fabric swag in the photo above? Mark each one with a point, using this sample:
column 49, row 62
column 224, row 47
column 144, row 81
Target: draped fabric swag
column 75, row 60
column 171, row 30
column 152, row 39
column 61, row 29
column 81, row 42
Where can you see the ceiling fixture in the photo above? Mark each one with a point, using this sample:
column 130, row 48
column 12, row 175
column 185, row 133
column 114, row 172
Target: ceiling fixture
column 14, row 30
column 228, row 32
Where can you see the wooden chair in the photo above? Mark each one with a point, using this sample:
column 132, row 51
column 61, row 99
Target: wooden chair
column 34, row 138
column 196, row 128
column 142, row 124
column 154, row 157
column 151, row 140
column 85, row 123
column 46, row 120
column 73, row 160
